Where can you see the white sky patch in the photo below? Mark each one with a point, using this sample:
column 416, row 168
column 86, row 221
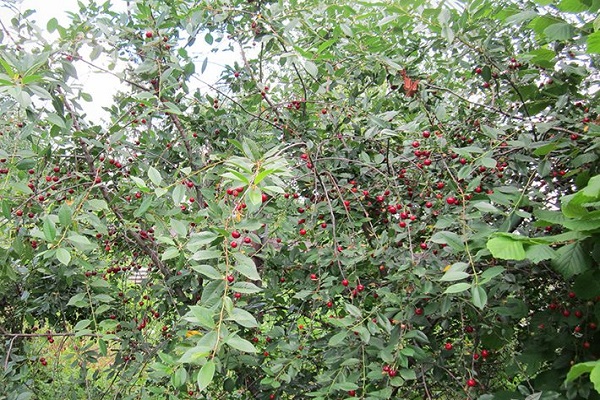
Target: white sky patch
column 102, row 86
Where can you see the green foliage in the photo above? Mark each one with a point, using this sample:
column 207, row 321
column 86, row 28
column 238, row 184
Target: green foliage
column 375, row 200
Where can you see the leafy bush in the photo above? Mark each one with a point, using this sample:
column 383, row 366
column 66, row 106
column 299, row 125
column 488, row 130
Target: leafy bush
column 377, row 200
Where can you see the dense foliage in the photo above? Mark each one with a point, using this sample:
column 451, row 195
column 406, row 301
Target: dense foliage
column 379, row 200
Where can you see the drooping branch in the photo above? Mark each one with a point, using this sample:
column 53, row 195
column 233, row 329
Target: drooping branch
column 130, row 235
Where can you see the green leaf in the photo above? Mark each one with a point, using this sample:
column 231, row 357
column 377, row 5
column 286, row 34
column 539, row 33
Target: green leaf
column 582, row 368
column 254, row 196
column 245, row 287
column 311, row 68
column 179, row 227
column 457, row 288
column 488, row 162
column 454, row 276
column 49, row 229
column 84, row 323
column 572, row 6
column 154, row 176
column 492, row 272
column 595, row 377
column 449, row 238
column 206, row 374
column 97, row 204
column 64, row 215
column 593, row 43
column 246, row 266
column 178, row 194
column 201, row 316
column 52, row 24
column 571, row 260
column 78, row 300
column 206, row 255
column 179, row 378
column 559, row 31
column 262, row 175
column 145, row 206
column 479, row 297
column 240, row 344
column 505, row 248
column 208, row 271
column 170, row 253
column 539, row 252
column 63, row 255
column 243, row 317
column 338, row 338
column 56, row 120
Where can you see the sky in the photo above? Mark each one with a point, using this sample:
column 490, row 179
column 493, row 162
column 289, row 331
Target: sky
column 95, row 83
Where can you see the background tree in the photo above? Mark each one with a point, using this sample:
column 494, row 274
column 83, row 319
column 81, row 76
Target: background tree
column 378, row 201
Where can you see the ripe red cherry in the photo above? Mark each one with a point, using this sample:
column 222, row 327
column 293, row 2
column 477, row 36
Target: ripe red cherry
column 303, row 232
column 423, row 246
column 448, row 346
column 360, row 287
column 234, row 244
column 235, row 234
column 247, row 240
column 451, row 200
column 230, row 278
column 345, row 282
column 149, row 34
column 471, row 382
column 351, row 393
column 484, row 353
column 426, row 134
column 419, row 311
column 478, row 70
column 415, row 144
column 313, row 277
column 572, row 295
column 566, row 313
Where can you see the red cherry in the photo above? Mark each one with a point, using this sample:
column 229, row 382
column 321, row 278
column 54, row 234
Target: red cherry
column 448, row 346
column 230, row 278
column 234, row 244
column 345, row 282
column 313, row 277
column 303, row 232
column 235, row 234
column 451, row 200
column 419, row 311
column 471, row 382
column 149, row 34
